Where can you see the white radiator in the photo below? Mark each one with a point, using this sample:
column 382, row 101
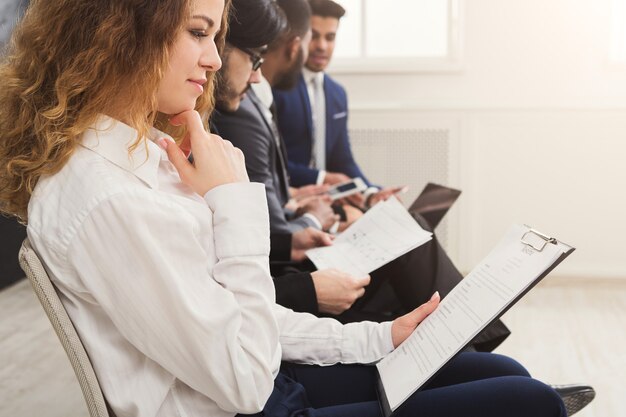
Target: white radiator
column 412, row 156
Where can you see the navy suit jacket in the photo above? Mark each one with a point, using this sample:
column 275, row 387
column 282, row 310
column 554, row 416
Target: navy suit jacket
column 296, row 127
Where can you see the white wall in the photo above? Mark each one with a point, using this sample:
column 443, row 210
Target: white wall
column 541, row 116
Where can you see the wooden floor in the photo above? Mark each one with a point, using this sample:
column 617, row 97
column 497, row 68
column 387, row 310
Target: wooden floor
column 563, row 331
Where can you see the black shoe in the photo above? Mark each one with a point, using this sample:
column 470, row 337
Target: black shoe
column 575, row 397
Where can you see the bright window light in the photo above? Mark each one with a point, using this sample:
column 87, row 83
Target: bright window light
column 395, row 29
column 618, row 31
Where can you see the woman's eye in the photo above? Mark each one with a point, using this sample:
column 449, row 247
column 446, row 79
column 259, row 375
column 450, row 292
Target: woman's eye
column 198, row 34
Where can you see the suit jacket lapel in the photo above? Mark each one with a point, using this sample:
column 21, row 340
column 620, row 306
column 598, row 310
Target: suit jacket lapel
column 330, row 113
column 277, row 144
column 303, row 94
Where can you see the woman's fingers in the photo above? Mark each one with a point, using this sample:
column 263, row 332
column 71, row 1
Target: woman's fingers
column 191, row 119
column 403, row 326
column 215, row 160
column 195, row 131
column 177, row 158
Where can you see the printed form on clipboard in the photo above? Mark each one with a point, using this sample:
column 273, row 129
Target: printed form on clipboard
column 385, row 232
column 521, row 259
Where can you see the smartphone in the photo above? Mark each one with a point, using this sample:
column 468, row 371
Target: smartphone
column 355, row 185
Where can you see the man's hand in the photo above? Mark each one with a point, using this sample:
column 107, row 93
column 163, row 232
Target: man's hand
column 321, row 209
column 306, row 239
column 308, row 190
column 356, row 200
column 384, row 194
column 352, row 214
column 332, row 178
column 336, row 291
column 403, row 326
column 216, row 161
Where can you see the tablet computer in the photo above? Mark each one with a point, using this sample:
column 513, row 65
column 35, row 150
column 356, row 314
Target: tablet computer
column 434, row 202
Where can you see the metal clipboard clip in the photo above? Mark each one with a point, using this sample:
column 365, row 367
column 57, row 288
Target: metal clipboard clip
column 537, row 240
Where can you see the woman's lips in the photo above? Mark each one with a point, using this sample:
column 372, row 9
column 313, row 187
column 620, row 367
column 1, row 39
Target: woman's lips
column 199, row 84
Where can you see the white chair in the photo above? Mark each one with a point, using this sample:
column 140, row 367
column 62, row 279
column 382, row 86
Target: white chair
column 30, row 263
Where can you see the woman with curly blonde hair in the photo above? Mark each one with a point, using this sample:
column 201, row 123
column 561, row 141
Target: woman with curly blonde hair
column 63, row 69
column 162, row 264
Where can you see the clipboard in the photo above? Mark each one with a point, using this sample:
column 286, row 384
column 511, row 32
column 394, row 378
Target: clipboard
column 532, row 240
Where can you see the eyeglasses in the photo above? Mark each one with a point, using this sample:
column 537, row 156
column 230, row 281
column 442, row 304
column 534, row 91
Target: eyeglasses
column 257, row 59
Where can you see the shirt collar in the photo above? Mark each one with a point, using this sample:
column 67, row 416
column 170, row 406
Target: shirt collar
column 309, row 75
column 111, row 139
column 263, row 91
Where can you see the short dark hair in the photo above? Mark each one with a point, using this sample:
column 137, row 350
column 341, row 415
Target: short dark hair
column 327, row 8
column 298, row 13
column 254, row 23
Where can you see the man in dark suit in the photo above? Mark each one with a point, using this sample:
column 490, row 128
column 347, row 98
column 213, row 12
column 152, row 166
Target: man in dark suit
column 11, row 231
column 10, row 12
column 245, row 118
column 313, row 116
column 252, row 131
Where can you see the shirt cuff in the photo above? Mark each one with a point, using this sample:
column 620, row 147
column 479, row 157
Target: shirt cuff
column 366, row 342
column 316, row 222
column 321, row 176
column 371, row 190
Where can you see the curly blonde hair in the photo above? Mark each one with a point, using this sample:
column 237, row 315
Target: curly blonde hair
column 69, row 61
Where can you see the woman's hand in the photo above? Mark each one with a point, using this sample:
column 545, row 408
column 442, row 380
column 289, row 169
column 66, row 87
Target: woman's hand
column 215, row 160
column 403, row 326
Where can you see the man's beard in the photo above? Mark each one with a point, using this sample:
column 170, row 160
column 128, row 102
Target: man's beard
column 225, row 94
column 289, row 79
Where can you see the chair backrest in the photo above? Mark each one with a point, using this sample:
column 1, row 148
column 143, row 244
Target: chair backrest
column 30, row 263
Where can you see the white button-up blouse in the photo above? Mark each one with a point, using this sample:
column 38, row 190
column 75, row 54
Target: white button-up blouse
column 171, row 292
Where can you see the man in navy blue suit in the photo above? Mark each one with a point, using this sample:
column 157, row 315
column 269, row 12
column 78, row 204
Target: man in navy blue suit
column 312, row 118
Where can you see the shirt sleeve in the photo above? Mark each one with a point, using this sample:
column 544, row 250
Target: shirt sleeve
column 321, row 176
column 325, row 341
column 295, row 290
column 314, row 219
column 204, row 316
column 280, row 247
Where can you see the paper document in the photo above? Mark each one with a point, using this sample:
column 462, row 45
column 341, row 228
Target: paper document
column 517, row 263
column 385, row 232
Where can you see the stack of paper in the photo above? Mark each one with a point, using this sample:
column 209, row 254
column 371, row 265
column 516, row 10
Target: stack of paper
column 385, row 232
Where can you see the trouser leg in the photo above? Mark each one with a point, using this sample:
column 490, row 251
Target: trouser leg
column 473, row 384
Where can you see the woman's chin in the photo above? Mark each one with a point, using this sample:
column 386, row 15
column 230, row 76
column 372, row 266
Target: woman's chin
column 172, row 110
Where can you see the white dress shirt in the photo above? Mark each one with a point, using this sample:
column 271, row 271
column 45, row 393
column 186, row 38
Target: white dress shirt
column 170, row 292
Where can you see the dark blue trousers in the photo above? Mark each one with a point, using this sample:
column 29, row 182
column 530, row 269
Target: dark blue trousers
column 471, row 385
